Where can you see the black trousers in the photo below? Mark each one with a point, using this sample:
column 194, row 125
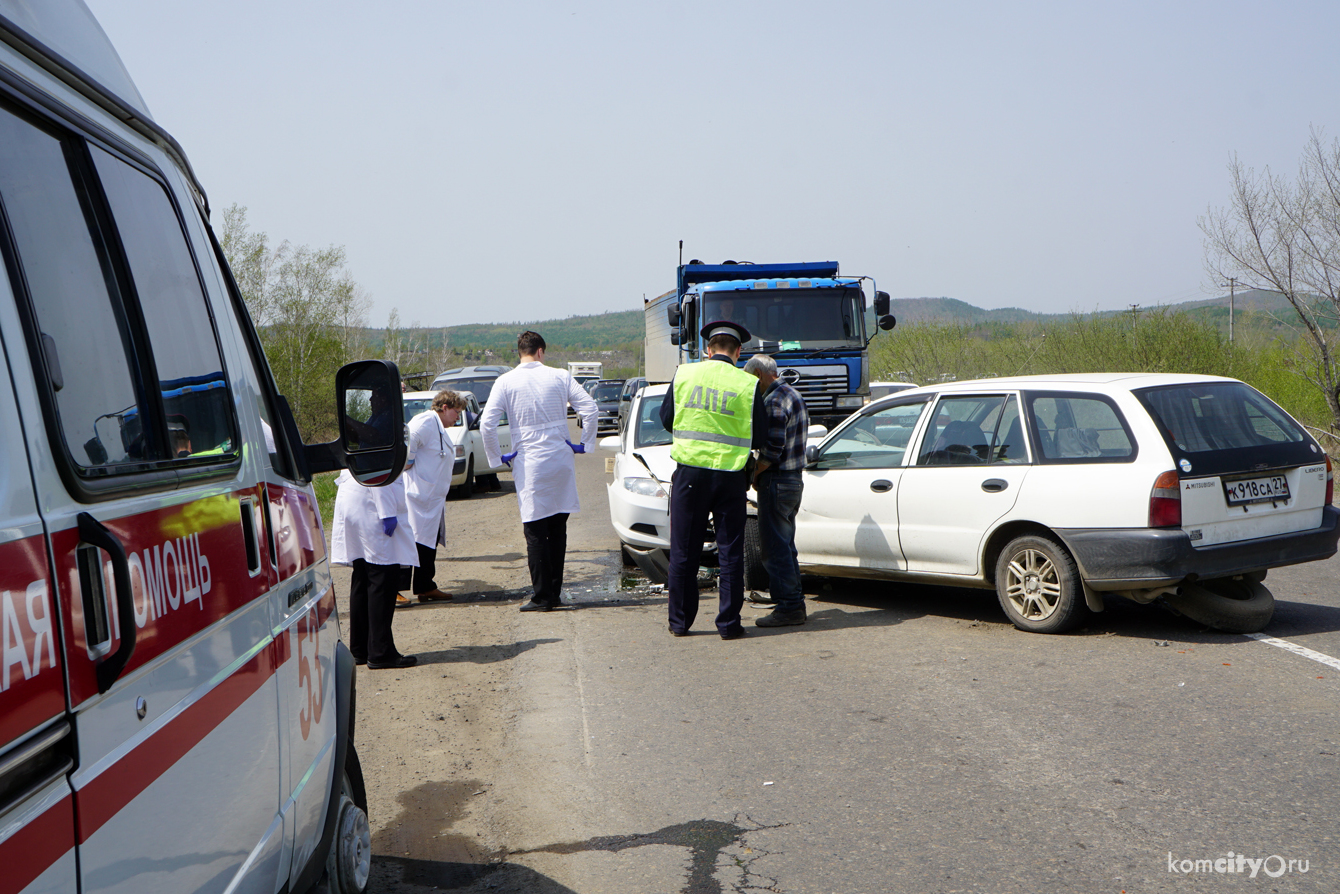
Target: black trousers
column 546, row 549
column 371, row 609
column 694, row 494
column 423, row 575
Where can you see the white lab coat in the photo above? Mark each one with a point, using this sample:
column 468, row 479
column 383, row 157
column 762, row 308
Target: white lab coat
column 429, row 479
column 535, row 398
column 357, row 532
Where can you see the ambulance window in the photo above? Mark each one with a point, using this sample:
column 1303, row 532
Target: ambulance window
column 196, row 400
column 61, row 260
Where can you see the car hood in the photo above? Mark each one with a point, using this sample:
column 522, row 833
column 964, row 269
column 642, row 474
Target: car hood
column 658, row 458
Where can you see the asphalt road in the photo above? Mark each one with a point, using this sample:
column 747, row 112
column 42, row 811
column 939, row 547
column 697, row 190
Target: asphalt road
column 907, row 739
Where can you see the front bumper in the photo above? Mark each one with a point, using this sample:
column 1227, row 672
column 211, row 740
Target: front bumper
column 1128, row 559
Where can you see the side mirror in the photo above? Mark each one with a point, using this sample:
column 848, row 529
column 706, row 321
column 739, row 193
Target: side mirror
column 881, row 304
column 811, row 454
column 674, row 337
column 672, row 315
column 887, row 322
column 371, row 444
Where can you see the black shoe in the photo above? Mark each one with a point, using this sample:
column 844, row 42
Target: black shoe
column 779, row 618
column 737, row 633
column 402, row 661
column 534, row 606
column 360, row 661
column 674, row 632
column 760, row 598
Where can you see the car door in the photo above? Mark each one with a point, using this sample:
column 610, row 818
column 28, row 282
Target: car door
column 848, row 513
column 971, row 459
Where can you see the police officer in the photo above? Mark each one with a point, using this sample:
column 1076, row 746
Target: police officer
column 715, row 414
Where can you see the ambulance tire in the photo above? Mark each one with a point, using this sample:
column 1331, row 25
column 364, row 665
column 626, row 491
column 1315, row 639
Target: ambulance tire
column 350, row 860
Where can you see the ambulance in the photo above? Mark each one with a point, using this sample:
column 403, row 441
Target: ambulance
column 176, row 707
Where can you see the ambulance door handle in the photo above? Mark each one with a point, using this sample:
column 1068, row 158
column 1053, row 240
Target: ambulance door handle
column 92, row 532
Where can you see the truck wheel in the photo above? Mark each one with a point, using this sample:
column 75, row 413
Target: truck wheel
column 1233, row 606
column 755, row 572
column 1039, row 587
column 350, row 860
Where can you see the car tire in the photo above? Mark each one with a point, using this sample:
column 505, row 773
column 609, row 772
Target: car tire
column 755, row 572
column 1039, row 587
column 468, row 485
column 350, row 859
column 1233, row 606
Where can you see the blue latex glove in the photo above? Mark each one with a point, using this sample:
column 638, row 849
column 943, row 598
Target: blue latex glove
column 508, row 457
column 388, row 526
column 576, row 448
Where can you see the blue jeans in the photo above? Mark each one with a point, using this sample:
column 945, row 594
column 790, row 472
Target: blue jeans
column 778, row 501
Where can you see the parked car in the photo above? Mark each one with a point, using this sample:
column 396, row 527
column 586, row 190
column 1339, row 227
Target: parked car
column 1058, row 491
column 639, row 495
column 466, row 442
column 606, row 393
column 630, row 387
column 476, row 379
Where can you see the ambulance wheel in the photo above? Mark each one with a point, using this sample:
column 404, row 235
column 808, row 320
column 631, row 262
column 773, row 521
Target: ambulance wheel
column 350, row 860
column 755, row 573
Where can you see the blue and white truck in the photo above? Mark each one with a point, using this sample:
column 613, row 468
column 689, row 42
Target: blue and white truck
column 808, row 317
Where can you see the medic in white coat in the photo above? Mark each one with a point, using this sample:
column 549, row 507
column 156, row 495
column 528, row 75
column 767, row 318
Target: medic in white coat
column 428, row 467
column 535, row 399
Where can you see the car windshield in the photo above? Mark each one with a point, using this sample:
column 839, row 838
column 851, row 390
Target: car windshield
column 650, row 432
column 811, row 318
column 607, row 391
column 479, row 387
column 416, row 405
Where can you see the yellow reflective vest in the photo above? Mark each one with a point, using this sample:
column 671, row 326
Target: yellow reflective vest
column 714, row 411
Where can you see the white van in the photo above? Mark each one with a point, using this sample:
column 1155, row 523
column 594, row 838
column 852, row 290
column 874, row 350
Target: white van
column 175, row 705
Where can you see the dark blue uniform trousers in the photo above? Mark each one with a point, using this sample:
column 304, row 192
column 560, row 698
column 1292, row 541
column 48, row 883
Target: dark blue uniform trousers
column 694, row 493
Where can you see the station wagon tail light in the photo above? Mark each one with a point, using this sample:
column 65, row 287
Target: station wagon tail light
column 1165, row 501
column 1330, row 484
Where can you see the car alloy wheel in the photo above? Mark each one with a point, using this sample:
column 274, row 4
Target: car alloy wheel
column 1038, row 586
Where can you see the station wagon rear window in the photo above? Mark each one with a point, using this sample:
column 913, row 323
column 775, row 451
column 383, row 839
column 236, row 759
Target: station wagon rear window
column 1226, row 427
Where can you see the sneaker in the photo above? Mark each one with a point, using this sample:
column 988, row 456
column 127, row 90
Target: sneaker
column 779, row 618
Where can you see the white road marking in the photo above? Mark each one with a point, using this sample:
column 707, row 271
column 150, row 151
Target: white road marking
column 1296, row 649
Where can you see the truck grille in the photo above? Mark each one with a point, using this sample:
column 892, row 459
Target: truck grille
column 819, row 385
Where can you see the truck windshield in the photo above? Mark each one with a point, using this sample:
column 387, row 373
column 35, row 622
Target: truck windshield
column 806, row 318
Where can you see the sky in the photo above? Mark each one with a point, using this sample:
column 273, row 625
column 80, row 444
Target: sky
column 515, row 161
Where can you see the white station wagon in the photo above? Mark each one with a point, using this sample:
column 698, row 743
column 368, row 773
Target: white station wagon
column 1059, row 490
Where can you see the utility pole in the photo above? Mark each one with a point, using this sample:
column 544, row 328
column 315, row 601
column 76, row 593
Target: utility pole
column 1232, row 300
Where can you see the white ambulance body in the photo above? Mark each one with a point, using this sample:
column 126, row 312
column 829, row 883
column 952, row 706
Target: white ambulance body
column 175, row 703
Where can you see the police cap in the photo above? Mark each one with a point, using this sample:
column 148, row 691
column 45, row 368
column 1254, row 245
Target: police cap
column 726, row 327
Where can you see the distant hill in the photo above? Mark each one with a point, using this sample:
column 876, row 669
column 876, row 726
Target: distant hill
column 623, row 330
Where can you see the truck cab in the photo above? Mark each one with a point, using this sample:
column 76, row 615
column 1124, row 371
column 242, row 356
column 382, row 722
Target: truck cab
column 808, row 317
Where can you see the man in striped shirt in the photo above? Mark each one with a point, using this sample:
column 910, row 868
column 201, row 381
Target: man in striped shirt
column 778, row 482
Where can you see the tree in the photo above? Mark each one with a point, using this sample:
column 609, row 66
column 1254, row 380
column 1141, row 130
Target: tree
column 309, row 313
column 1284, row 236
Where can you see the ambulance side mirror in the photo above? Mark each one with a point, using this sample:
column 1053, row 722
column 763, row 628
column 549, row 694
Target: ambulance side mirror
column 371, row 444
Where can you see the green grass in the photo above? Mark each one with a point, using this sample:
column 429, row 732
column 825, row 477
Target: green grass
column 324, row 483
